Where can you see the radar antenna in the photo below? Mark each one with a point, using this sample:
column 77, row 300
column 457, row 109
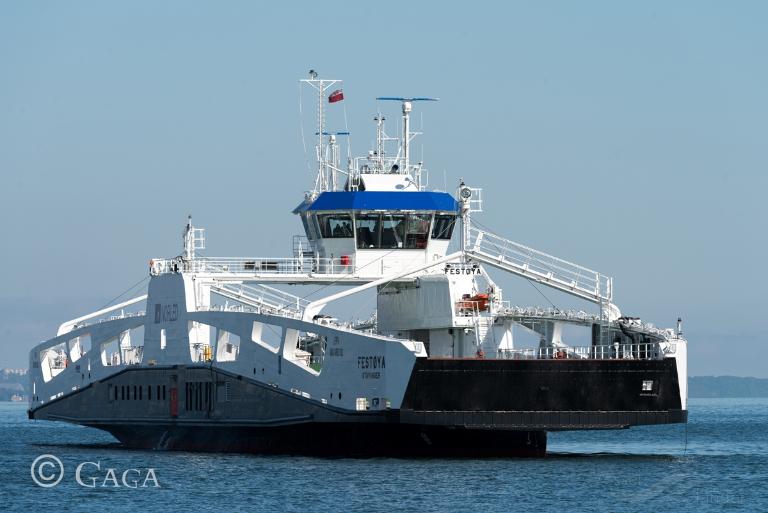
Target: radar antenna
column 407, row 135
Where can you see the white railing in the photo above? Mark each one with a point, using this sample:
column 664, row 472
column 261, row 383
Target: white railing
column 267, row 299
column 518, row 312
column 303, row 247
column 539, row 266
column 255, row 266
column 91, row 322
column 577, row 316
column 649, row 351
column 259, row 309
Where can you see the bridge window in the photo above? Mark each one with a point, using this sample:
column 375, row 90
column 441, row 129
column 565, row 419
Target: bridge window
column 398, row 231
column 392, row 231
column 443, row 227
column 417, row 231
column 368, row 227
column 386, row 231
column 308, row 221
column 335, row 226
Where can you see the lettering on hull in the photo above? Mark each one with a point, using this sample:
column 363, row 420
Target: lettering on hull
column 371, row 364
column 166, row 313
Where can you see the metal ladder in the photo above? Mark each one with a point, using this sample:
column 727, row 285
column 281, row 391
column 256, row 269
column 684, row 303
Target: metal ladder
column 481, row 325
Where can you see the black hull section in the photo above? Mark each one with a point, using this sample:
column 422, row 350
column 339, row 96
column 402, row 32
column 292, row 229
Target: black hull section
column 337, row 440
column 544, row 394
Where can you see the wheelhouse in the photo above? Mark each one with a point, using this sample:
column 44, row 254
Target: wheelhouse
column 372, row 224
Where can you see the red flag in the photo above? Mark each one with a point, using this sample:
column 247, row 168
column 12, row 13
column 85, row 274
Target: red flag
column 336, row 96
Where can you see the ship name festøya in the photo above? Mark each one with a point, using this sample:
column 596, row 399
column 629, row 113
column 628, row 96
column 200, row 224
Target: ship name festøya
column 371, row 364
column 473, row 269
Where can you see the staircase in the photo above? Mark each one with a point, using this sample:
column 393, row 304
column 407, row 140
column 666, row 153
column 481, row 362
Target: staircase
column 482, row 325
column 539, row 267
column 266, row 299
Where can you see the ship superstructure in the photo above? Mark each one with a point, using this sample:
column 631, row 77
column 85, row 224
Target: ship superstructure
column 218, row 355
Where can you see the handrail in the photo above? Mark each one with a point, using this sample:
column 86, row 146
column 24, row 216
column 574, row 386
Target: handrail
column 262, row 296
column 646, row 351
column 506, row 310
column 539, row 266
column 70, row 325
column 255, row 265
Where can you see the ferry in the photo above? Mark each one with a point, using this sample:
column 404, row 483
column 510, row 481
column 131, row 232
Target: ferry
column 220, row 354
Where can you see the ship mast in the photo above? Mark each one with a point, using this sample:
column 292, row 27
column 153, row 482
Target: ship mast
column 380, row 135
column 325, row 177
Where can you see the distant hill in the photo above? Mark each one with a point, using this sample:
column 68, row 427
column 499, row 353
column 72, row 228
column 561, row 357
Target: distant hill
column 727, row 386
column 13, row 384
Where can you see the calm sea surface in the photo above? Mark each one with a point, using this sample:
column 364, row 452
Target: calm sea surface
column 723, row 467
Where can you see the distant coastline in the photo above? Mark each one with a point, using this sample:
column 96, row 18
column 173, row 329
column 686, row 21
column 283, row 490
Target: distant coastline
column 14, row 385
column 727, row 386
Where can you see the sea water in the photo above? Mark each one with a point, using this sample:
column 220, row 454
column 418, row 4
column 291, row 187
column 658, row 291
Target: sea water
column 717, row 462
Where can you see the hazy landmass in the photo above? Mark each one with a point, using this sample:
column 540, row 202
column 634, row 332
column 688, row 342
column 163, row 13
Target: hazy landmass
column 14, row 385
column 727, row 386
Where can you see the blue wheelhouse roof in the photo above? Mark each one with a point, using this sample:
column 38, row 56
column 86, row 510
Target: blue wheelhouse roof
column 381, row 200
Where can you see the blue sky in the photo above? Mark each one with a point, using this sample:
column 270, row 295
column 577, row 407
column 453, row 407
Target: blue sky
column 630, row 138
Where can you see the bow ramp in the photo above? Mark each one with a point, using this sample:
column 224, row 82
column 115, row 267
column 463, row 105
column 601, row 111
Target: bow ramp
column 538, row 266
